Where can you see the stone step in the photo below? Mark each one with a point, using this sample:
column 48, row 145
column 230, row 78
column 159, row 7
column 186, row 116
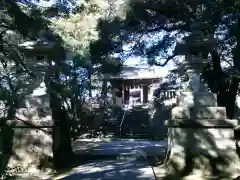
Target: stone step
column 138, row 136
column 134, row 131
column 198, row 112
column 197, row 99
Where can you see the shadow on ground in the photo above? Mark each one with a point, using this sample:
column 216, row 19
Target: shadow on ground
column 108, row 169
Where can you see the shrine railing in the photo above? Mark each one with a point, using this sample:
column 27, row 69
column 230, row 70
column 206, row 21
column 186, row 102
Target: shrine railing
column 170, row 94
column 169, row 97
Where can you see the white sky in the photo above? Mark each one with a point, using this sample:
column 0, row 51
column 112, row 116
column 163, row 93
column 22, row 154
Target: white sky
column 44, row 3
column 160, row 71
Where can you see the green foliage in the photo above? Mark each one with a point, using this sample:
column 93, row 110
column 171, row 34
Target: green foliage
column 8, row 176
column 27, row 24
column 78, row 30
column 145, row 20
column 81, row 34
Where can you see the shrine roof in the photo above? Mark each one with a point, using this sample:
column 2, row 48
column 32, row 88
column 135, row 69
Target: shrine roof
column 135, row 72
column 36, row 45
column 45, row 41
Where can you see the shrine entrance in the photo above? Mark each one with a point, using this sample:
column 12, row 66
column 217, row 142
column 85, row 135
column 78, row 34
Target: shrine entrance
column 132, row 92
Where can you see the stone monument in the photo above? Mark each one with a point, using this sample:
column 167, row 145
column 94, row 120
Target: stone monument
column 35, row 143
column 201, row 136
column 37, row 59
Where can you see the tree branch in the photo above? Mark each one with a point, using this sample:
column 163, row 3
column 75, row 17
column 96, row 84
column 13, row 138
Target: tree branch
column 137, row 41
column 7, row 27
column 31, row 124
column 167, row 29
column 19, row 17
column 166, row 61
column 17, row 60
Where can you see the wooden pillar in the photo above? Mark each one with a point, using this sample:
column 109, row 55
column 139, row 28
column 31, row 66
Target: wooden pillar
column 123, row 94
column 126, row 94
column 114, row 95
column 145, row 93
column 142, row 95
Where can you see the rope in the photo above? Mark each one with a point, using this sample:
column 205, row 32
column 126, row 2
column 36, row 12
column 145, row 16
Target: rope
column 123, row 117
column 169, row 145
column 154, row 174
column 143, row 154
column 169, row 141
column 120, row 128
column 167, row 154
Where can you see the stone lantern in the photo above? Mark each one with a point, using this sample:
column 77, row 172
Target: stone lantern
column 195, row 48
column 35, row 110
column 199, row 130
column 37, row 58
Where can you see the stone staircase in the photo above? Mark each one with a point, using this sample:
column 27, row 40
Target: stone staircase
column 134, row 125
column 131, row 142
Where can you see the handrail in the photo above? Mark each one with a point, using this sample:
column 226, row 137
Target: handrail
column 123, row 117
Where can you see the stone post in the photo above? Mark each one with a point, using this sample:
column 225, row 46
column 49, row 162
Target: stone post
column 123, row 94
column 142, row 95
column 37, row 112
column 201, row 136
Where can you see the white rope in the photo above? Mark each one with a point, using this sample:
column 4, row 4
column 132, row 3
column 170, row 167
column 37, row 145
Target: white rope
column 169, row 144
column 120, row 128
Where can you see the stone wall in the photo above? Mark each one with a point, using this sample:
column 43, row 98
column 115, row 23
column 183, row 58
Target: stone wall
column 205, row 148
column 32, row 148
column 32, row 141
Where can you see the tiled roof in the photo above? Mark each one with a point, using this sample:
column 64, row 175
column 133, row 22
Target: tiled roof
column 135, row 72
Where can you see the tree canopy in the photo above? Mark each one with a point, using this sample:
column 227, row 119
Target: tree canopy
column 101, row 34
column 65, row 79
column 152, row 28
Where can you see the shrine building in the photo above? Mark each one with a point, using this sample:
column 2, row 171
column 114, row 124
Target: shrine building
column 133, row 85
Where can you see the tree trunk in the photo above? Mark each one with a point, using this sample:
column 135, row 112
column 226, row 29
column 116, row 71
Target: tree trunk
column 7, row 134
column 226, row 90
column 90, row 84
column 100, row 117
column 217, row 72
column 104, row 91
column 232, row 94
column 62, row 147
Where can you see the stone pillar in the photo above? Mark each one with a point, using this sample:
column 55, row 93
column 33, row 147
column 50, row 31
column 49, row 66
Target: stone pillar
column 37, row 110
column 145, row 93
column 141, row 89
column 123, row 94
column 201, row 136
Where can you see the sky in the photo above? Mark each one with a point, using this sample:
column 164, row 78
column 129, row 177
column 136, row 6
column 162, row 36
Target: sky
column 45, row 3
column 49, row 3
column 149, row 41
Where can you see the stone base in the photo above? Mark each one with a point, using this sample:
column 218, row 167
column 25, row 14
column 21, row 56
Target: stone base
column 35, row 116
column 187, row 167
column 197, row 99
column 209, row 151
column 202, row 123
column 198, row 112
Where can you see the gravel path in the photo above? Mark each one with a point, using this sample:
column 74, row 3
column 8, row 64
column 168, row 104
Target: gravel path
column 118, row 147
column 112, row 170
